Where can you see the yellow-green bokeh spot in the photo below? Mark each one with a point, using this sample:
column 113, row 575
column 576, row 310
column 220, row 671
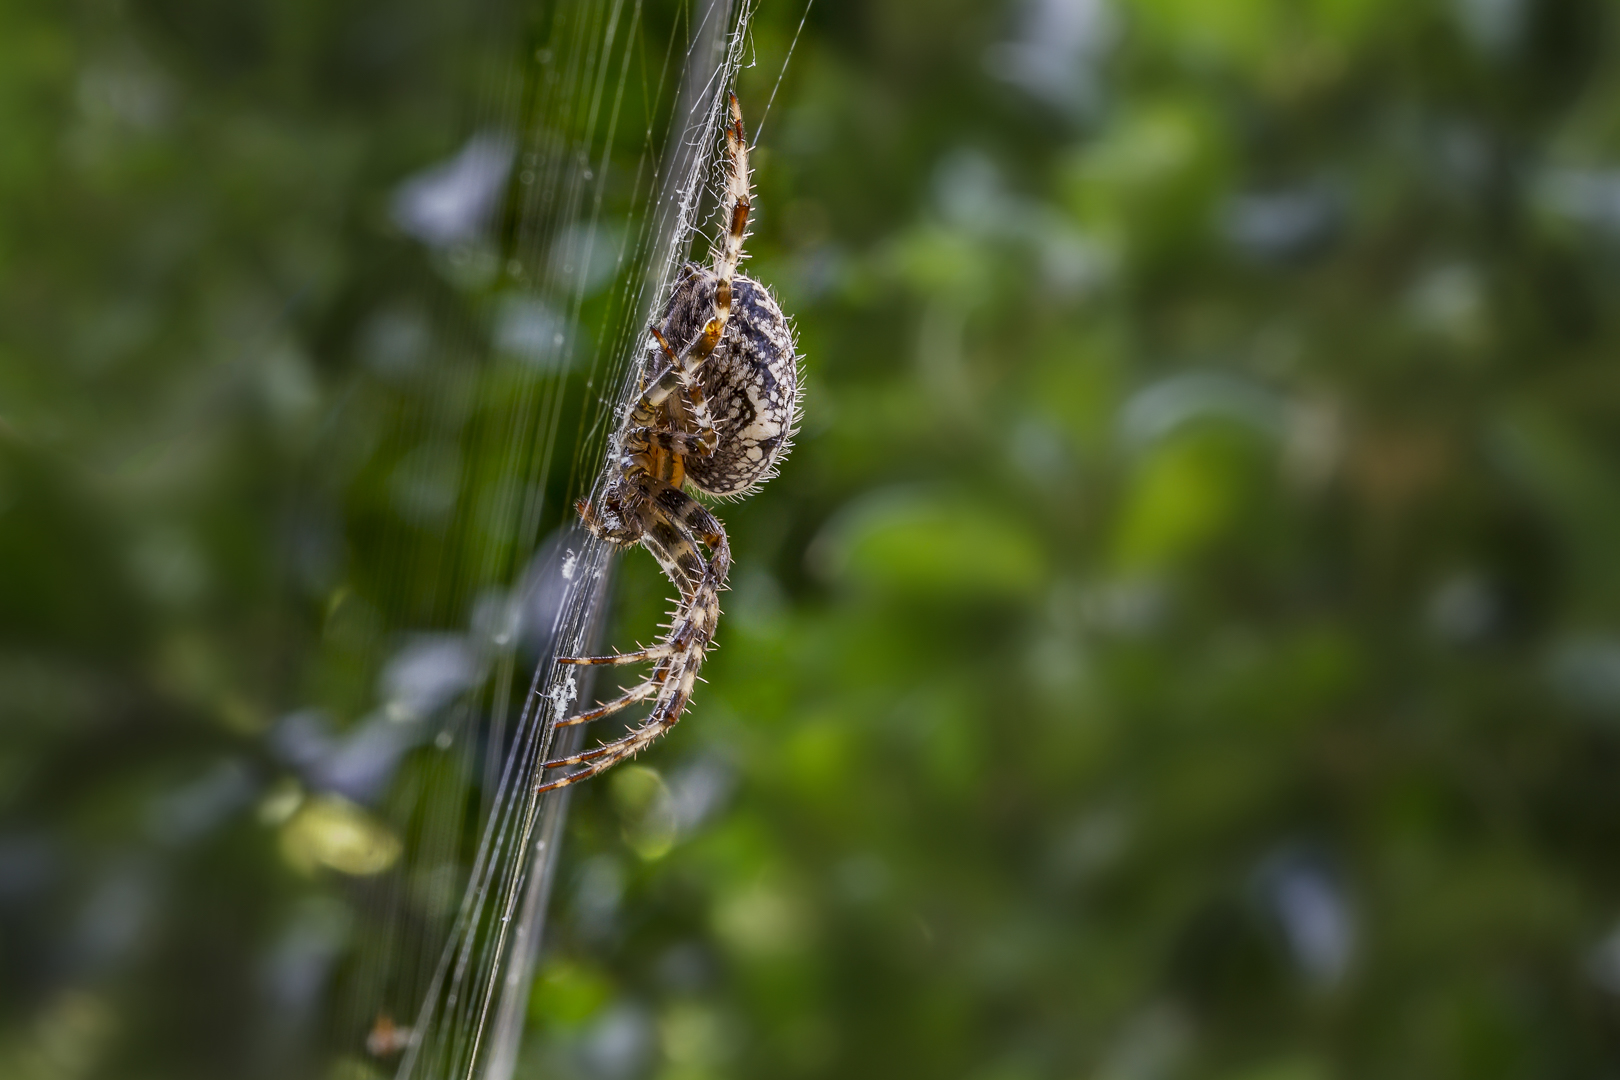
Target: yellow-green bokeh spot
column 937, row 261
column 762, row 920
column 331, row 832
column 694, row 1037
column 646, row 810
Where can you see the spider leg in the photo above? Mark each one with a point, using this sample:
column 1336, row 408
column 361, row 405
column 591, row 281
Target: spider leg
column 617, row 746
column 639, row 656
column 680, row 381
column 694, row 521
column 666, row 711
column 735, row 204
column 640, row 692
column 682, row 442
column 675, row 524
column 602, row 764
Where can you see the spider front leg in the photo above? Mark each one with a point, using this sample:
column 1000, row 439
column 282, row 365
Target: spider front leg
column 674, row 526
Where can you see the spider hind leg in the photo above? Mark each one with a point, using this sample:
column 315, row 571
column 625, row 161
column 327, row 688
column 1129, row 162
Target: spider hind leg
column 736, row 203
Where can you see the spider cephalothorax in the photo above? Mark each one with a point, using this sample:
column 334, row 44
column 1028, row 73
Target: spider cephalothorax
column 717, row 410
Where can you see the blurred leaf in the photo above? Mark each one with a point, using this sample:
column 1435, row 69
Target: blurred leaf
column 1188, row 493
column 915, row 543
column 1150, row 183
column 568, row 993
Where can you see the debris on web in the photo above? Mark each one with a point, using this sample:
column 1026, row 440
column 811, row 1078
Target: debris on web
column 564, row 694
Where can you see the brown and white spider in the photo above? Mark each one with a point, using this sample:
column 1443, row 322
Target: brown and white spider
column 718, row 409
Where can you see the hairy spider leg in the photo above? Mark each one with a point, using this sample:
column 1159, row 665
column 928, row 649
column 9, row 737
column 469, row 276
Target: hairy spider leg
column 675, row 524
column 637, row 656
column 675, row 689
column 675, row 680
column 677, row 555
column 656, row 537
column 735, row 203
column 640, row 692
column 677, row 386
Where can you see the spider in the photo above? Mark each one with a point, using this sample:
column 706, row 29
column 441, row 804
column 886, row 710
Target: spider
column 718, row 408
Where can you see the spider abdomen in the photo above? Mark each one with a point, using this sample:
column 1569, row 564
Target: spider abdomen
column 751, row 383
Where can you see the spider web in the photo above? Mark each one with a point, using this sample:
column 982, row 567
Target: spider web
column 448, row 989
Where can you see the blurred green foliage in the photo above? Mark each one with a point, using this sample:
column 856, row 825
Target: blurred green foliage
column 1184, row 643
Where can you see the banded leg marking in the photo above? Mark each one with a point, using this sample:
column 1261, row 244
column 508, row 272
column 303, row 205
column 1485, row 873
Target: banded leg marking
column 640, row 692
column 737, row 202
column 639, row 656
